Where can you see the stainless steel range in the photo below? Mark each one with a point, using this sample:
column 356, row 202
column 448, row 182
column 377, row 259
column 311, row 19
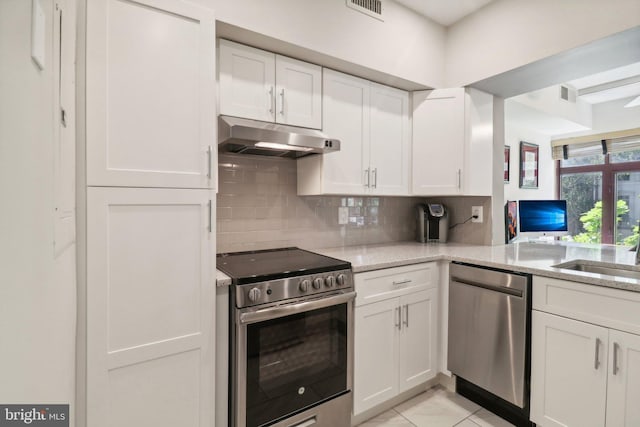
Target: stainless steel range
column 291, row 338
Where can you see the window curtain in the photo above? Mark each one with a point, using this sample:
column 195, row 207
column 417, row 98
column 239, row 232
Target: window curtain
column 589, row 145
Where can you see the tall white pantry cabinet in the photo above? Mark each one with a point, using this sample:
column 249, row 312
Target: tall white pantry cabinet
column 147, row 284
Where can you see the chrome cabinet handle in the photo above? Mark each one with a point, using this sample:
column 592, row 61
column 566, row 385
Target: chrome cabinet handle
column 398, row 318
column 406, row 315
column 210, row 227
column 459, row 179
column 209, row 154
column 271, row 99
column 282, row 102
column 367, row 172
column 597, row 361
column 375, row 178
column 401, row 282
column 616, row 347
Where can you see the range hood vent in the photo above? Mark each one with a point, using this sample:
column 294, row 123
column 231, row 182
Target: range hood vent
column 245, row 136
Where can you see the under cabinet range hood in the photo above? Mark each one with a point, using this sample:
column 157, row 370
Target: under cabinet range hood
column 237, row 135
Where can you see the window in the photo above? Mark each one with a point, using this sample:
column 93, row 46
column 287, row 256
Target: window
column 603, row 197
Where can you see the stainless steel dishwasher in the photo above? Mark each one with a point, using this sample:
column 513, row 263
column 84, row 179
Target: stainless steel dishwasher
column 490, row 337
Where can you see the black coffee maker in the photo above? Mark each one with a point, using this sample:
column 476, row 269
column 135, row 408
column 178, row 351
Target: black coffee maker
column 433, row 223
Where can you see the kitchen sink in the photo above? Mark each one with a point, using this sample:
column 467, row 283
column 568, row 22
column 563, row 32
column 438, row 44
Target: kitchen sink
column 619, row 270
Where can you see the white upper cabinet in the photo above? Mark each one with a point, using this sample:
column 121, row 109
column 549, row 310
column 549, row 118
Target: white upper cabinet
column 452, row 142
column 247, row 81
column 372, row 123
column 438, row 142
column 346, row 117
column 260, row 85
column 298, row 93
column 389, row 141
column 150, row 94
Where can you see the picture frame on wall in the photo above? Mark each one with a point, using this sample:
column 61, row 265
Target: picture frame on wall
column 529, row 158
column 507, row 162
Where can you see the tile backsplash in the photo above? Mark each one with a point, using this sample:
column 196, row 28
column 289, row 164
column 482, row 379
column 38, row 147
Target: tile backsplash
column 258, row 208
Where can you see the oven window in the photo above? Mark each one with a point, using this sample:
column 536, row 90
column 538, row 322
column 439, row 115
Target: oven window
column 295, row 362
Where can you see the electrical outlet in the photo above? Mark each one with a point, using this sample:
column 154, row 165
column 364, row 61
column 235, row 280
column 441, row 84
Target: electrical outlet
column 343, row 215
column 476, row 211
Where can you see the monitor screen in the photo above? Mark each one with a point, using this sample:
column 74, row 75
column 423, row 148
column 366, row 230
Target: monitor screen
column 543, row 216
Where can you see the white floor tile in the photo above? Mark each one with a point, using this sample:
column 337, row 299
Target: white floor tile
column 387, row 419
column 485, row 418
column 436, row 407
column 466, row 423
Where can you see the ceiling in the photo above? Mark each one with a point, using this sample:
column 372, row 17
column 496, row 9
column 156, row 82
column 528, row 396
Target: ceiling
column 444, row 12
column 617, row 83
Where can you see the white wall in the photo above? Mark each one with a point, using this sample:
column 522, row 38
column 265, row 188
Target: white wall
column 549, row 101
column 507, row 34
column 405, row 45
column 546, row 165
column 610, row 116
column 37, row 289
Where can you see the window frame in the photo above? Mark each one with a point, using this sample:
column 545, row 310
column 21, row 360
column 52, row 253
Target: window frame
column 609, row 171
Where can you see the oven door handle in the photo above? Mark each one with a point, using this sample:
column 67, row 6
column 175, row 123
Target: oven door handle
column 294, row 308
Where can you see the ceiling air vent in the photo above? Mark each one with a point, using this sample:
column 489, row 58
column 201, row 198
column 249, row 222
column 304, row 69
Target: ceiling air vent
column 567, row 93
column 372, row 8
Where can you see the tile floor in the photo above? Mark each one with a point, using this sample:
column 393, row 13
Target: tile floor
column 437, row 407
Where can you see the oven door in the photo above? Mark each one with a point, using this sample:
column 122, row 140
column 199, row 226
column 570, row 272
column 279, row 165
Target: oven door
column 291, row 357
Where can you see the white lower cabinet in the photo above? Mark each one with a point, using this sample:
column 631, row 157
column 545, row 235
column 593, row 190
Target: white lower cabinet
column 150, row 307
column 395, row 332
column 569, row 372
column 584, row 374
column 623, row 386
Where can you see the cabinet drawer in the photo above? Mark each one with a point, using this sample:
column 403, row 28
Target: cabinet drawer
column 379, row 285
column 614, row 308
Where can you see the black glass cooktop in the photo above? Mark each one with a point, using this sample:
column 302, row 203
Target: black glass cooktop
column 272, row 264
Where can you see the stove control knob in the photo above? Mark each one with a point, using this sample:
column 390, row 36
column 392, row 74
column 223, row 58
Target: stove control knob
column 330, row 282
column 254, row 294
column 305, row 285
column 317, row 282
column 341, row 280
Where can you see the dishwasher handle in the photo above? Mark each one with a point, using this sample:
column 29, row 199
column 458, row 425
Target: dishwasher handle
column 496, row 288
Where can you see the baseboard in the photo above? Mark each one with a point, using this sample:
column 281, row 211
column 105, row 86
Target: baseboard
column 402, row 397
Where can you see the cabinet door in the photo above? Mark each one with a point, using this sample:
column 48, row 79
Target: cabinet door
column 418, row 338
column 150, row 94
column 150, row 307
column 389, row 152
column 346, row 117
column 623, row 392
column 438, row 141
column 298, row 93
column 376, row 354
column 568, row 372
column 247, row 82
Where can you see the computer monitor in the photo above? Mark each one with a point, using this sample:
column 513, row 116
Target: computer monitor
column 542, row 218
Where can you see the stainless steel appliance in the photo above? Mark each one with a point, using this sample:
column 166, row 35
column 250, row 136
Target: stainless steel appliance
column 291, row 333
column 245, row 136
column 433, row 223
column 490, row 338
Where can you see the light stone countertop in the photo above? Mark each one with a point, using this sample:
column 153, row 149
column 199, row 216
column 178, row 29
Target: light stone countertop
column 222, row 279
column 527, row 257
